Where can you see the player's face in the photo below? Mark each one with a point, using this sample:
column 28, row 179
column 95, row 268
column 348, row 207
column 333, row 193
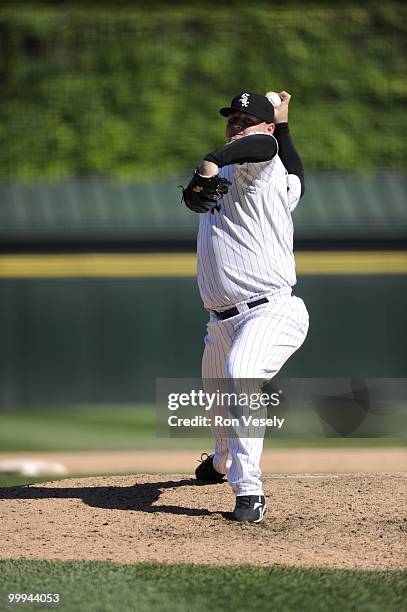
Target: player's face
column 241, row 124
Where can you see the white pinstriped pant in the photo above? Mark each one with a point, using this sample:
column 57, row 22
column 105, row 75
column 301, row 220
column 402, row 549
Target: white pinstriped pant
column 254, row 344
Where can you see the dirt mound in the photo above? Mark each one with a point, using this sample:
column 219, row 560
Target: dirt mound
column 342, row 521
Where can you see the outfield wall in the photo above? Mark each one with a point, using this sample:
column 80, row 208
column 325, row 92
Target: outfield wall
column 76, row 340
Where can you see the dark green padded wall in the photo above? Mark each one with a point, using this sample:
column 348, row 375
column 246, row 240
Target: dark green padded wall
column 107, row 340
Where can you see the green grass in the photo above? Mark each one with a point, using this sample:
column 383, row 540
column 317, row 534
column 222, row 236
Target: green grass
column 124, row 427
column 107, row 587
column 16, row 480
column 85, row 428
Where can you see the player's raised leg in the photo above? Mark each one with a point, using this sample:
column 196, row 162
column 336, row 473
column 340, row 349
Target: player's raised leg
column 218, row 341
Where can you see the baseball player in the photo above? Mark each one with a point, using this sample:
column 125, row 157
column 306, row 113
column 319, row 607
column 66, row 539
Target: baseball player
column 246, row 192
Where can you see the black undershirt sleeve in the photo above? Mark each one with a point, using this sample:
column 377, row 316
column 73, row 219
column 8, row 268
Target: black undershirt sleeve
column 260, row 148
column 288, row 153
column 249, row 149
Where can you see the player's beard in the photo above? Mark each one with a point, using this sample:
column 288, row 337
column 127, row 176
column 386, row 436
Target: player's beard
column 233, row 138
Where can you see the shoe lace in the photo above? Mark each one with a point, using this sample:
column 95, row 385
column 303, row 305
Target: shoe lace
column 243, row 501
column 202, row 459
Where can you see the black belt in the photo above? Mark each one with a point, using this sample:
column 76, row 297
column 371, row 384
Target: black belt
column 232, row 312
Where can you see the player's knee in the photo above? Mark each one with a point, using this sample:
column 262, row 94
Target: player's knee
column 242, row 371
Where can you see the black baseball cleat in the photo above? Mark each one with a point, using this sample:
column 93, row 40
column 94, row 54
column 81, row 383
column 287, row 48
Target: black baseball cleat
column 206, row 471
column 250, row 508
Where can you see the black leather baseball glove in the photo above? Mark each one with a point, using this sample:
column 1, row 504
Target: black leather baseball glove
column 202, row 194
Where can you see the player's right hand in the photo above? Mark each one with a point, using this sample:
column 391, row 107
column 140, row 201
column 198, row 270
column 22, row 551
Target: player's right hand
column 281, row 111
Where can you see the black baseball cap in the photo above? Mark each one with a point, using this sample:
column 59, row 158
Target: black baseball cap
column 251, row 103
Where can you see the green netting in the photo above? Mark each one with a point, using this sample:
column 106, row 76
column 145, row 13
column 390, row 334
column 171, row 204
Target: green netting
column 132, row 92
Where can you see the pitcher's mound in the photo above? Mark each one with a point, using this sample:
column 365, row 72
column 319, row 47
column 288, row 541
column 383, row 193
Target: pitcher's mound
column 342, row 521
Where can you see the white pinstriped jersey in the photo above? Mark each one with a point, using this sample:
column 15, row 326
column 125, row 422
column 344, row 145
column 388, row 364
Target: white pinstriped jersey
column 246, row 249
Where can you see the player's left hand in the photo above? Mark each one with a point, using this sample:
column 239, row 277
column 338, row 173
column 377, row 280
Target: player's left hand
column 202, row 193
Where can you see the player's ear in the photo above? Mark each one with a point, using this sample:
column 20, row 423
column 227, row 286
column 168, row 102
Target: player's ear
column 271, row 127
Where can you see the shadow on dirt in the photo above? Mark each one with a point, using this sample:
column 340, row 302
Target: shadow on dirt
column 138, row 497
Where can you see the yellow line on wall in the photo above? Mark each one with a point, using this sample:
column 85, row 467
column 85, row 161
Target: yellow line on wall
column 98, row 265
column 93, row 265
column 352, row 262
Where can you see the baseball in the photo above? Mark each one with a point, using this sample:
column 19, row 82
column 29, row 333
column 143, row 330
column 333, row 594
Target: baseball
column 274, row 98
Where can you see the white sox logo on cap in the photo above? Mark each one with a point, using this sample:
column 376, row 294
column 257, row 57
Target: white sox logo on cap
column 244, row 100
column 253, row 103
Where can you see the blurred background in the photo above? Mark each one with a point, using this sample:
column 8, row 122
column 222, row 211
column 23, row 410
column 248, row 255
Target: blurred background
column 104, row 111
